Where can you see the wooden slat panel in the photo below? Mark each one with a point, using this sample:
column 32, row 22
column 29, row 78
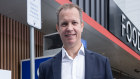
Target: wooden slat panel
column 11, row 46
column 41, row 53
column 15, row 44
column 41, row 45
column 23, row 57
column 7, row 47
column 1, row 51
column 21, row 41
column 5, row 43
column 11, row 39
column 41, row 42
column 28, row 42
column 25, row 53
column 17, row 48
column 35, row 37
column 38, row 43
column 14, row 47
column 19, row 53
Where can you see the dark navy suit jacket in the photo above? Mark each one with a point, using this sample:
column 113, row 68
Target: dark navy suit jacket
column 96, row 67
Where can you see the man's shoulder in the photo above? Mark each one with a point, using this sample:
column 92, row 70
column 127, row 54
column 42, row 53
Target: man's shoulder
column 95, row 54
column 50, row 61
column 46, row 63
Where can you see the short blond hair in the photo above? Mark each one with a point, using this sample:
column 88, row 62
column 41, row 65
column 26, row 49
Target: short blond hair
column 69, row 6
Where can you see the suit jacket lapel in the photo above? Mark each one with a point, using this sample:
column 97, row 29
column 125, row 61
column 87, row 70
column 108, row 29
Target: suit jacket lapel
column 57, row 66
column 89, row 66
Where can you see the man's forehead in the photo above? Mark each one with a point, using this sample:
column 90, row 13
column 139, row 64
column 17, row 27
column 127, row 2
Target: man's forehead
column 69, row 15
column 67, row 9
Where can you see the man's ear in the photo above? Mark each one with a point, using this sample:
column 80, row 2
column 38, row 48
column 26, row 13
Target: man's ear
column 82, row 26
column 57, row 27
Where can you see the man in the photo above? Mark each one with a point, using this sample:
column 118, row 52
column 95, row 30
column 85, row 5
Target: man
column 74, row 61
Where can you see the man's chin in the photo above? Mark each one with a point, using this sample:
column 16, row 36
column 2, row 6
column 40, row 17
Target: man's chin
column 71, row 42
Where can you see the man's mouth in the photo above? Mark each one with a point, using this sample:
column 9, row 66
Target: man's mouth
column 69, row 35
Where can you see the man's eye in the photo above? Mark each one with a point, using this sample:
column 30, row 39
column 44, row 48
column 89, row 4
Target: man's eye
column 74, row 23
column 64, row 24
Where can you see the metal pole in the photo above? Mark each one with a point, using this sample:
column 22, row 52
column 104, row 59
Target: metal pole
column 32, row 51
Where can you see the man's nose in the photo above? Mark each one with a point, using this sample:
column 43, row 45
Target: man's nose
column 70, row 26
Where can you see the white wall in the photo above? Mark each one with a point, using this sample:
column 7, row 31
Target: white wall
column 5, row 74
column 132, row 9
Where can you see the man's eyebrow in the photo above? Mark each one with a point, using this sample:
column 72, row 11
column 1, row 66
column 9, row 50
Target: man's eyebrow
column 64, row 21
column 73, row 20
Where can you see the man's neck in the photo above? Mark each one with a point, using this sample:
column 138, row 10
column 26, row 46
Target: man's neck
column 73, row 50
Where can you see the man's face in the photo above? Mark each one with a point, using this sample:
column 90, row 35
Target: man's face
column 70, row 26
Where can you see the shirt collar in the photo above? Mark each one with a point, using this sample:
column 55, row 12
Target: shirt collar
column 65, row 54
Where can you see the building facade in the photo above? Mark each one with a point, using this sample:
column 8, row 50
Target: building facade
column 108, row 31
